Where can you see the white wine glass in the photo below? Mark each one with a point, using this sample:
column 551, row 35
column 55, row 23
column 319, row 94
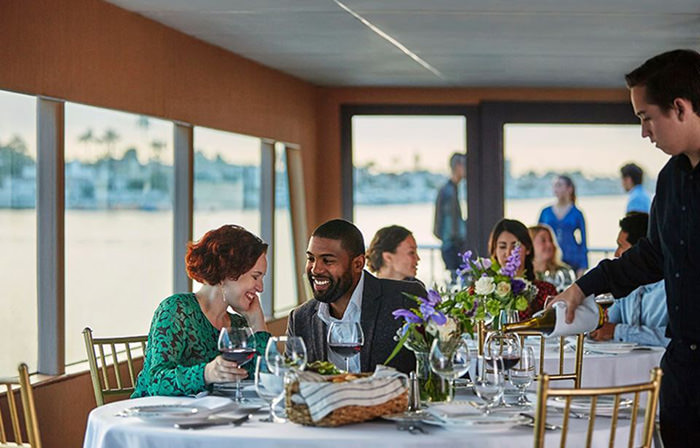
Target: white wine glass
column 285, row 352
column 489, row 381
column 345, row 339
column 269, row 385
column 449, row 358
column 522, row 374
column 237, row 344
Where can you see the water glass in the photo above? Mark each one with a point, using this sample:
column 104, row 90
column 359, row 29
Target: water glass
column 489, row 381
column 269, row 384
column 285, row 352
column 237, row 344
column 449, row 358
column 522, row 374
column 346, row 339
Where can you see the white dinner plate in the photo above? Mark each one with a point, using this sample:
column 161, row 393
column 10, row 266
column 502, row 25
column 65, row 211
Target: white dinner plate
column 604, row 406
column 461, row 415
column 166, row 412
column 615, row 348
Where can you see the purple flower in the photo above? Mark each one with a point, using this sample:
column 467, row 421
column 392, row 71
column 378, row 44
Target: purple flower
column 410, row 316
column 433, row 298
column 517, row 286
column 512, row 263
column 466, row 262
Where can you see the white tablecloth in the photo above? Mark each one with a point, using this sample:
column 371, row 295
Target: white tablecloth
column 106, row 430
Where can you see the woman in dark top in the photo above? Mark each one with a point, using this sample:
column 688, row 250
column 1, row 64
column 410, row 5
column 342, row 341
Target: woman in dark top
column 504, row 236
column 181, row 356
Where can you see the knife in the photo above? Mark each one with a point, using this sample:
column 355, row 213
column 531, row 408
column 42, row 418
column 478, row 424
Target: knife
column 213, row 422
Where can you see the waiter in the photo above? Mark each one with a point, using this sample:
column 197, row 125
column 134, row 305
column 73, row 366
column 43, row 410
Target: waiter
column 665, row 94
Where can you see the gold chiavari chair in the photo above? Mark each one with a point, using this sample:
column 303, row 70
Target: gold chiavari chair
column 574, row 375
column 106, row 350
column 28, row 411
column 544, row 393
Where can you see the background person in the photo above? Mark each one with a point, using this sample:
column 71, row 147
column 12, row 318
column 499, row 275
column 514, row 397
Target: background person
column 665, row 95
column 393, row 254
column 448, row 225
column 568, row 224
column 637, row 198
column 181, row 356
column 504, row 236
column 547, row 260
column 641, row 316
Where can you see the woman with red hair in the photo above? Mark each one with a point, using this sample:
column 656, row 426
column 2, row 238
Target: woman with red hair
column 181, row 356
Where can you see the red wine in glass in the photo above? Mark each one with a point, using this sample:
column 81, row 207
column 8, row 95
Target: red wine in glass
column 510, row 361
column 346, row 350
column 239, row 355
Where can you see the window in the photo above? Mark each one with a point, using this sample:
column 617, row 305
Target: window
column 285, row 284
column 591, row 154
column 118, row 222
column 399, row 164
column 18, row 302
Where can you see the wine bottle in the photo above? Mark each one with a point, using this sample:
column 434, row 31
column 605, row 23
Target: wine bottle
column 551, row 322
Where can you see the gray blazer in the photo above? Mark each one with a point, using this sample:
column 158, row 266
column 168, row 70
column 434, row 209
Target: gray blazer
column 379, row 299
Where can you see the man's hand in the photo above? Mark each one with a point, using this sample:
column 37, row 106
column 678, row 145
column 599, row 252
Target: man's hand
column 573, row 297
column 604, row 333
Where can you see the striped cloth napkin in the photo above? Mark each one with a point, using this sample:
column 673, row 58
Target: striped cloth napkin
column 323, row 397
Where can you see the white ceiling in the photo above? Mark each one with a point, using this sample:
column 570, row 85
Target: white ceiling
column 535, row 43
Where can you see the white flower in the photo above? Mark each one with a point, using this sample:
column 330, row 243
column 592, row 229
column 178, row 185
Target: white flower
column 502, row 289
column 432, row 328
column 484, row 286
column 448, row 329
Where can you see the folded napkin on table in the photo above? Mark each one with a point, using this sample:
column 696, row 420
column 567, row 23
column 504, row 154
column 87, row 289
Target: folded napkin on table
column 323, row 397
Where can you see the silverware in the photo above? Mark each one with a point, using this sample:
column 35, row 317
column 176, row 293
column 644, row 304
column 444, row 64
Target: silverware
column 412, row 428
column 531, row 423
column 213, row 422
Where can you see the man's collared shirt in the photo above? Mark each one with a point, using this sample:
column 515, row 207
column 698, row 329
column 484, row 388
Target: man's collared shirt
column 641, row 317
column 352, row 314
column 638, row 200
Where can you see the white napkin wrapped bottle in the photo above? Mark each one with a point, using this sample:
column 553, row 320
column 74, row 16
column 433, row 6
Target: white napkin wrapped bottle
column 552, row 322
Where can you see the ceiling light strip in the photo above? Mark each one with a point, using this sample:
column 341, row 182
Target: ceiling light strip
column 391, row 40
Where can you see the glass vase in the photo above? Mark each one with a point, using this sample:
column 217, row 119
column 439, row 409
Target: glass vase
column 432, row 387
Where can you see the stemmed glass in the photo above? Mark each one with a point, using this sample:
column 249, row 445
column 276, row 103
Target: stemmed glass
column 345, row 339
column 522, row 374
column 507, row 347
column 489, row 381
column 269, row 384
column 285, row 352
column 450, row 359
column 237, row 344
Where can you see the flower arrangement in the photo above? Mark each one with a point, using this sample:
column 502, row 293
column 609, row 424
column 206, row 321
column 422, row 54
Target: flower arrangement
column 494, row 288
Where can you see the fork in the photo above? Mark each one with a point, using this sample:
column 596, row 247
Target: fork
column 412, row 428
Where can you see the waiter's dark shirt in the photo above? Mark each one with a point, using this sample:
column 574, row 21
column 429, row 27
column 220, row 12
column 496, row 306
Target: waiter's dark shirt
column 670, row 251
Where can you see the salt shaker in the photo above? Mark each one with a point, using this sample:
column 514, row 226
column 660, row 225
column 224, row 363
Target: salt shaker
column 413, row 393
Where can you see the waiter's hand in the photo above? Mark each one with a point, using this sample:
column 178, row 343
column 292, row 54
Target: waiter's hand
column 573, row 297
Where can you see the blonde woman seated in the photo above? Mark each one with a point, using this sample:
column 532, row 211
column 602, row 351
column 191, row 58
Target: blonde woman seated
column 393, row 254
column 547, row 262
column 182, row 357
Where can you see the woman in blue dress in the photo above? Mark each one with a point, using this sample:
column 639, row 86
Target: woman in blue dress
column 568, row 224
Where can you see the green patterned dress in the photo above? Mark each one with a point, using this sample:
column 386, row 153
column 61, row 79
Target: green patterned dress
column 180, row 343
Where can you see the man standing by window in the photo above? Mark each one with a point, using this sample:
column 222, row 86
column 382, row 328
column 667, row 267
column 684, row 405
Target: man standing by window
column 637, row 198
column 449, row 227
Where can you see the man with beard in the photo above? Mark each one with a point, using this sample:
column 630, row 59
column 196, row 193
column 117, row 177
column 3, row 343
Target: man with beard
column 344, row 292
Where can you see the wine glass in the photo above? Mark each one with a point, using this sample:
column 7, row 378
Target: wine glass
column 489, row 381
column 522, row 374
column 285, row 352
column 450, row 359
column 345, row 339
column 507, row 347
column 237, row 344
column 269, row 384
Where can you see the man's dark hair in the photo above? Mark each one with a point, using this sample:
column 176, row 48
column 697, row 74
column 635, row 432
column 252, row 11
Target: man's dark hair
column 457, row 159
column 635, row 224
column 349, row 235
column 670, row 75
column 634, row 172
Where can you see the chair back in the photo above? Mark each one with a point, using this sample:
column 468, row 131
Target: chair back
column 101, row 353
column 545, row 392
column 560, row 374
column 12, row 437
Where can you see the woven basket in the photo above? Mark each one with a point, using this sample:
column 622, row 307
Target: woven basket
column 299, row 413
